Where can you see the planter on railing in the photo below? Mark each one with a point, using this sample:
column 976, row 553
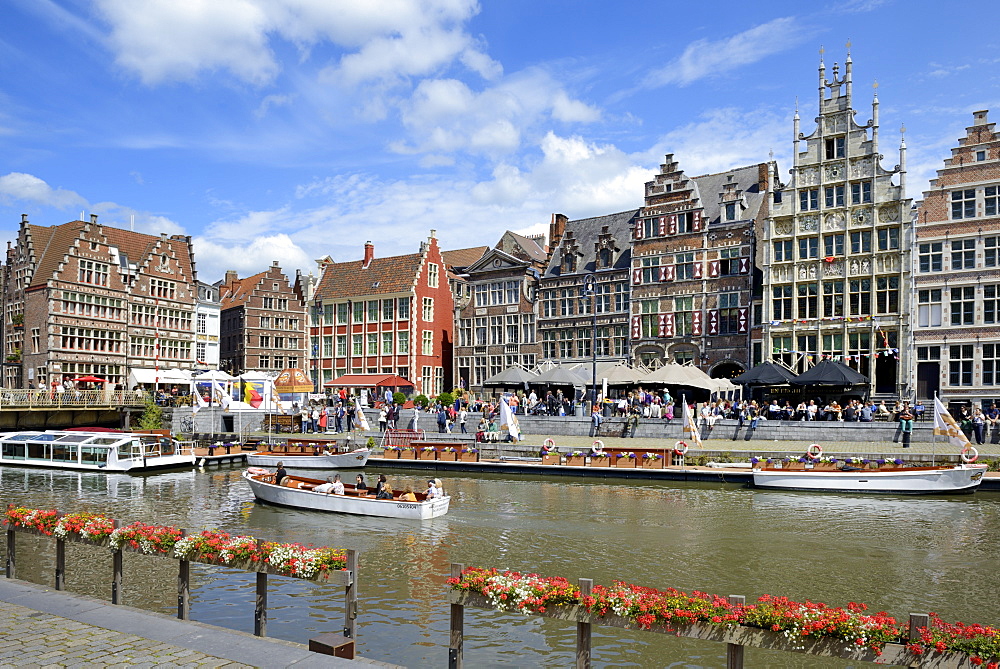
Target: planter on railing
column 468, row 455
column 427, row 453
column 448, row 454
column 652, row 461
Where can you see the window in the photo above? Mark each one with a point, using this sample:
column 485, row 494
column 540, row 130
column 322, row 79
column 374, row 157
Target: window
column 403, row 308
column 372, row 343
column 566, row 300
column 834, row 196
column 200, row 351
column 861, row 297
column 833, row 298
column 602, row 297
column 481, row 331
column 861, row 242
column 963, row 203
column 729, row 313
column 565, row 343
column 386, row 343
column 341, row 346
column 357, row 344
column 327, row 346
column 685, row 266
column 960, row 365
column 513, row 330
column 888, row 239
column 428, row 309
column 511, row 291
column 568, row 262
column 427, row 342
column 650, row 269
column 783, row 251
column 548, row 298
column 963, row 305
column 157, row 287
column 604, row 258
column 202, row 323
column 432, row 275
column 991, row 364
column 342, row 313
column 548, row 344
column 403, row 342
column 267, row 302
column 809, row 199
column 991, row 193
column 963, row 254
column 833, row 245
column 583, row 341
column 980, row 156
column 887, row 294
column 265, row 341
column 861, row 193
column 835, row 148
column 264, row 361
column 928, row 353
column 683, row 316
column 782, row 302
column 373, row 310
column 496, row 293
column 685, row 222
column 621, row 297
column 496, row 329
column 388, row 309
column 991, row 304
column 731, row 211
column 729, row 261
column 528, row 328
column 482, row 295
column 833, row 344
column 929, row 256
column 808, row 248
column 929, row 308
column 359, row 312
column 648, row 319
column 807, row 301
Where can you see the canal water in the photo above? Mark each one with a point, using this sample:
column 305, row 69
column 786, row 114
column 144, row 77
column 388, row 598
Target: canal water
column 896, row 554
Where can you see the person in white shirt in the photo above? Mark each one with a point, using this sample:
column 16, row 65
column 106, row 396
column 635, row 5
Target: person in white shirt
column 432, row 490
column 325, row 487
column 338, row 486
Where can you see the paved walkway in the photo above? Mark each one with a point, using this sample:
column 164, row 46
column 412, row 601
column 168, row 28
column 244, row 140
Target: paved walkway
column 40, row 627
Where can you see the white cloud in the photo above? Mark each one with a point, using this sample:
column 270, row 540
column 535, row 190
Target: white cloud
column 21, row 187
column 213, row 258
column 704, row 58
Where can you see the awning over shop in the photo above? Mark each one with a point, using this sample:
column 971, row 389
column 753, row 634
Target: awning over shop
column 368, row 381
column 172, row 376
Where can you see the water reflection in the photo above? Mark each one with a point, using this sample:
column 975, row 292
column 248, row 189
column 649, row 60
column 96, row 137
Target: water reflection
column 898, row 554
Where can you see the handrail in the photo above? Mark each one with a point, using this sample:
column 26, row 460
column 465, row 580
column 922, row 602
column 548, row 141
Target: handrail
column 26, row 398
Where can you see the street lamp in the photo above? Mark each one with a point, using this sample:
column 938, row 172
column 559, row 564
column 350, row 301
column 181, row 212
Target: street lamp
column 590, row 291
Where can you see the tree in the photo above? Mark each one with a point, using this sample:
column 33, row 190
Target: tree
column 446, row 399
column 399, row 398
column 151, row 418
column 421, row 400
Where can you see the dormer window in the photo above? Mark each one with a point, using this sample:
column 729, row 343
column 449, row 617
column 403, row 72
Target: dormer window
column 568, row 262
column 604, row 258
column 731, row 211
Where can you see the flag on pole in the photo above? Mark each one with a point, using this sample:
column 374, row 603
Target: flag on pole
column 945, row 424
column 198, row 403
column 359, row 418
column 221, row 395
column 508, row 421
column 689, row 425
column 251, row 396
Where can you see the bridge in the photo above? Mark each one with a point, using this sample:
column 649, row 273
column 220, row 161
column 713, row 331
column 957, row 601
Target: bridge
column 45, row 409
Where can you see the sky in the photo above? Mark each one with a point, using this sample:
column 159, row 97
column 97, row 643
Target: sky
column 291, row 130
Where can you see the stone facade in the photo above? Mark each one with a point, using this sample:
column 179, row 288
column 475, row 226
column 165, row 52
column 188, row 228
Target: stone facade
column 262, row 323
column 957, row 272
column 496, row 321
column 84, row 299
column 693, row 267
column 837, row 248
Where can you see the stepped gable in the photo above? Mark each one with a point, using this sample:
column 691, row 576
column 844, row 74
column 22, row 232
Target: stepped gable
column 50, row 244
column 237, row 292
column 383, row 276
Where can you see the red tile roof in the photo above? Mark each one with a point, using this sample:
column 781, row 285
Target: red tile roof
column 236, row 293
column 463, row 257
column 383, row 276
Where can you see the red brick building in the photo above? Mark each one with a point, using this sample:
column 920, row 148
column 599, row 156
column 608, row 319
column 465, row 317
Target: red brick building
column 262, row 323
column 388, row 315
column 81, row 298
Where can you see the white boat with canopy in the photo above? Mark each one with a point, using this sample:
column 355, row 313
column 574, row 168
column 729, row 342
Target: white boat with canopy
column 94, row 451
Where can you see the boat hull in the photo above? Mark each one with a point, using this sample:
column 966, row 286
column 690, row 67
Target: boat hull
column 358, row 506
column 918, row 481
column 350, row 460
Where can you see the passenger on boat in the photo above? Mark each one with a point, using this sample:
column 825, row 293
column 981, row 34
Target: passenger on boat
column 280, row 473
column 325, row 487
column 408, row 495
column 379, row 484
column 432, row 490
column 360, row 486
column 338, row 485
column 439, row 486
column 385, row 492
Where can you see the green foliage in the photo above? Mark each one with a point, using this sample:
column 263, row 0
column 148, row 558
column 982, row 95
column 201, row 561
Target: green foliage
column 458, row 392
column 399, row 398
column 446, row 399
column 421, row 400
column 151, row 418
column 370, row 444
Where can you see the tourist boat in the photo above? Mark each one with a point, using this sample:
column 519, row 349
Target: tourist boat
column 888, row 479
column 296, row 492
column 312, row 459
column 94, row 451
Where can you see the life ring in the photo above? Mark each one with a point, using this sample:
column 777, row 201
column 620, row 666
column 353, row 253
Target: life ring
column 814, row 451
column 599, row 444
column 550, row 443
column 680, row 448
column 966, row 458
column 257, row 471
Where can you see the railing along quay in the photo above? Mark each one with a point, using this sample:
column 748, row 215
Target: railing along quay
column 341, row 645
column 89, row 399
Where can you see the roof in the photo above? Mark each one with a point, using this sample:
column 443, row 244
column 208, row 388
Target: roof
column 236, row 293
column 585, row 233
column 463, row 257
column 533, row 251
column 708, row 187
column 383, row 276
column 366, row 380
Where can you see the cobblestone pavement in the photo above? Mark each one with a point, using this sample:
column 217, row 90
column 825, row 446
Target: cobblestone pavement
column 31, row 638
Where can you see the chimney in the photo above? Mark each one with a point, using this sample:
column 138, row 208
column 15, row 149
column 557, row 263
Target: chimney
column 231, row 276
column 93, row 219
column 980, row 117
column 556, row 229
column 369, row 255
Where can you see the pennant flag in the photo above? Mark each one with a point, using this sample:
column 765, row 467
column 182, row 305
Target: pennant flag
column 251, row 396
column 359, row 418
column 689, row 425
column 508, row 421
column 945, row 424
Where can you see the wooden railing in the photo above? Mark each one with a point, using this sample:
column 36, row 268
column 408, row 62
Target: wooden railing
column 346, row 577
column 736, row 637
column 47, row 399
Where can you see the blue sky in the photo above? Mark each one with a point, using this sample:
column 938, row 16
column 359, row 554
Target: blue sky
column 293, row 129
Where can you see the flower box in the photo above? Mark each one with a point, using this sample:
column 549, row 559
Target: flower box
column 390, row 453
column 551, row 459
column 447, row 456
column 426, row 455
column 625, row 463
column 576, row 461
column 600, row 462
column 652, row 463
column 468, row 457
column 407, row 454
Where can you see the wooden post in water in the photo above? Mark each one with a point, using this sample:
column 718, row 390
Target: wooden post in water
column 260, row 611
column 60, row 564
column 457, row 641
column 116, row 577
column 184, row 587
column 734, row 651
column 583, row 630
column 351, row 595
column 10, row 552
column 918, row 620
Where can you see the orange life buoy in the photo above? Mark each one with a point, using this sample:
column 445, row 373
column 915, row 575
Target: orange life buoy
column 814, row 451
column 966, row 458
column 257, row 471
column 549, row 443
column 680, row 448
